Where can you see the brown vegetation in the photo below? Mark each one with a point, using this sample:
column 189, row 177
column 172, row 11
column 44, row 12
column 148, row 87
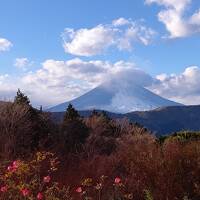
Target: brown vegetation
column 167, row 169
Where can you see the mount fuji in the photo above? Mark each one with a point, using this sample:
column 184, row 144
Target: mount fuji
column 120, row 96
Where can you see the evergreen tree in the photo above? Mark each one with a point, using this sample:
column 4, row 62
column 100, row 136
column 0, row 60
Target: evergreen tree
column 94, row 113
column 39, row 129
column 41, row 109
column 105, row 116
column 71, row 113
column 74, row 131
column 21, row 98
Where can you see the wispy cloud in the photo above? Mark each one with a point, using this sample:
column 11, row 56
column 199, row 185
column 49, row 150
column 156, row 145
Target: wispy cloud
column 22, row 63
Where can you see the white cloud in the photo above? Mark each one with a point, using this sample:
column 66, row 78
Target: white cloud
column 5, row 44
column 174, row 17
column 88, row 42
column 120, row 22
column 183, row 87
column 7, row 87
column 64, row 80
column 3, row 78
column 135, row 33
column 195, row 19
column 22, row 63
column 62, row 77
column 59, row 81
column 121, row 33
column 178, row 5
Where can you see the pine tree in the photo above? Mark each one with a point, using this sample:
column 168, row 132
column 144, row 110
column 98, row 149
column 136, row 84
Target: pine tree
column 39, row 129
column 74, row 130
column 105, row 116
column 71, row 114
column 21, row 98
column 94, row 113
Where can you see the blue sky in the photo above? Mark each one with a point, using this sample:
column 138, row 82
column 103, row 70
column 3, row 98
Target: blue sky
column 34, row 33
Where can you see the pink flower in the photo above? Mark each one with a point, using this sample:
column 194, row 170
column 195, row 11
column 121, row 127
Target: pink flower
column 117, row 180
column 25, row 192
column 15, row 164
column 9, row 168
column 47, row 179
column 4, row 188
column 39, row 196
column 79, row 190
column 13, row 167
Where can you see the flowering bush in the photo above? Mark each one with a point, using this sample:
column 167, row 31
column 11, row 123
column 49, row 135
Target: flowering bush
column 32, row 179
column 103, row 189
column 35, row 180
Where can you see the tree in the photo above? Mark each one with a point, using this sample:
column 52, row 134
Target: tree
column 41, row 108
column 74, row 132
column 40, row 126
column 105, row 116
column 94, row 113
column 71, row 113
column 23, row 130
column 21, row 98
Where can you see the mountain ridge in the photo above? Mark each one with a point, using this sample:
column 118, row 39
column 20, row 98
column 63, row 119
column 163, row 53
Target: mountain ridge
column 160, row 121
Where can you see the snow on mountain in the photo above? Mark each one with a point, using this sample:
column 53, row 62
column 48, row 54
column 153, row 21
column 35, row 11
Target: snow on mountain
column 119, row 95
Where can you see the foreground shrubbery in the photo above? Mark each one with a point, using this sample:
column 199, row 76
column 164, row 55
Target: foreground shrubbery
column 143, row 170
column 93, row 158
column 34, row 180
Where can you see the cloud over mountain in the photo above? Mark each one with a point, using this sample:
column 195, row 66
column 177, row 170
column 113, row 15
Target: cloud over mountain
column 183, row 87
column 60, row 81
column 64, row 80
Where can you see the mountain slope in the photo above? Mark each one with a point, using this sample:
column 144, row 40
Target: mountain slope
column 168, row 119
column 117, row 97
column 160, row 121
